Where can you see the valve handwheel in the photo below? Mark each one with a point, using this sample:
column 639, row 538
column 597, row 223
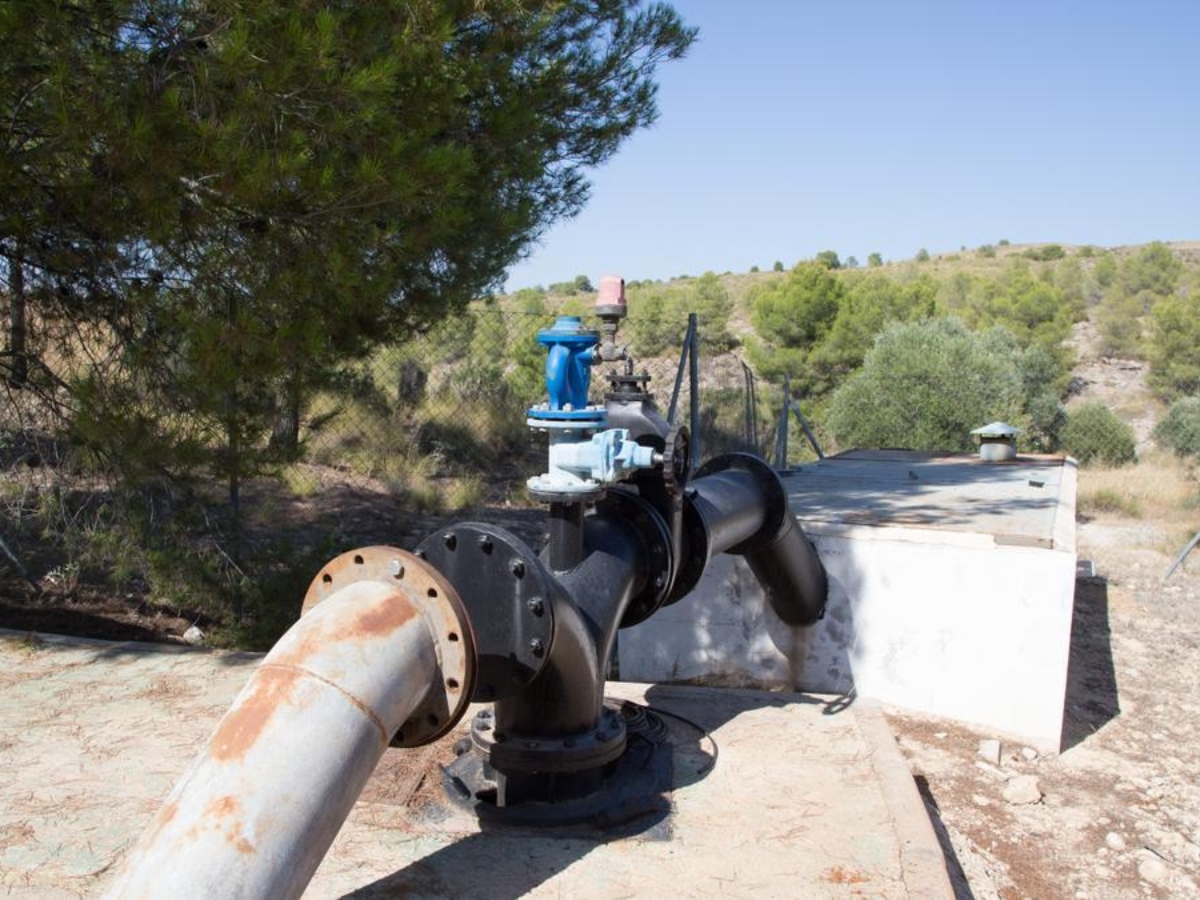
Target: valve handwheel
column 677, row 458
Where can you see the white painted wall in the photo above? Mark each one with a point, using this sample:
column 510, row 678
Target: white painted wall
column 936, row 621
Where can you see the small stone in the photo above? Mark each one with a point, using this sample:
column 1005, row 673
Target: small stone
column 980, row 800
column 998, row 774
column 1114, row 841
column 989, row 750
column 940, row 735
column 1029, row 753
column 1022, row 790
column 194, row 636
column 1151, row 869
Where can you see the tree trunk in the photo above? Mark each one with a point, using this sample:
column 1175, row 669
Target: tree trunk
column 285, row 433
column 18, row 329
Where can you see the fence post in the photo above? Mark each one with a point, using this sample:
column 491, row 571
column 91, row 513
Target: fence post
column 683, row 358
column 781, row 434
column 812, row 438
column 694, row 388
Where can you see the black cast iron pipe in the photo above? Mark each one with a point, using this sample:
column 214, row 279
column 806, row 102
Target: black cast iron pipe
column 737, row 504
column 566, row 696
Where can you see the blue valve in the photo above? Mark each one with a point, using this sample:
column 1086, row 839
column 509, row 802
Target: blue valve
column 568, row 371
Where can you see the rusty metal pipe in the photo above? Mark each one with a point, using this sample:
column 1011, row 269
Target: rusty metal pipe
column 264, row 799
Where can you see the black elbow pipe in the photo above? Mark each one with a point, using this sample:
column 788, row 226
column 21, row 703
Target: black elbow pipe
column 588, row 602
column 791, row 574
column 736, row 504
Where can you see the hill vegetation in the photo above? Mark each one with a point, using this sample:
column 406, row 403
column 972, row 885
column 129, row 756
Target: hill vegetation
column 883, row 354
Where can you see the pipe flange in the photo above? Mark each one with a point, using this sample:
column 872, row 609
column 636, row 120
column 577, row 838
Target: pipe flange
column 433, row 594
column 656, row 538
column 600, row 744
column 777, row 508
column 585, row 494
column 507, row 593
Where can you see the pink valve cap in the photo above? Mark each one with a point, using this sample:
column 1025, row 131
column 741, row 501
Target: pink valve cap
column 612, row 291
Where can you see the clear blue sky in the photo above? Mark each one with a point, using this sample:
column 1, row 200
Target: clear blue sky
column 794, row 127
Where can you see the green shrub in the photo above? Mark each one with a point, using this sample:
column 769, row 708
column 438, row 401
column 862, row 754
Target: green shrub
column 1179, row 430
column 1174, row 347
column 1045, row 253
column 1118, row 319
column 1094, row 435
column 925, row 385
column 791, row 315
column 1152, row 268
column 922, row 255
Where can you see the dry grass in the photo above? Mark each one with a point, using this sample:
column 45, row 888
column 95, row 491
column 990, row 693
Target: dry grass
column 1160, row 488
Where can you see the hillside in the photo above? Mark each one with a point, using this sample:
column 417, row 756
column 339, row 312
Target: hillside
column 1093, row 308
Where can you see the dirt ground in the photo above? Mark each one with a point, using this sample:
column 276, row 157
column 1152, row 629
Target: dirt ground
column 1116, row 814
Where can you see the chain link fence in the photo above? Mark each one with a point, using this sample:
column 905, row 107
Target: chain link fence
column 430, row 427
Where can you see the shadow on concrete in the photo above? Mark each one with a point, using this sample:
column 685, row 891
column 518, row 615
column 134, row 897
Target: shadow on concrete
column 505, row 860
column 1015, row 501
column 958, row 877
column 703, row 711
column 1091, row 698
column 492, row 865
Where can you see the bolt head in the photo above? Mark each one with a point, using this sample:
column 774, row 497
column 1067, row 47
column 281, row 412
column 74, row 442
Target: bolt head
column 397, row 568
column 450, row 540
column 517, row 568
column 537, row 606
column 536, row 647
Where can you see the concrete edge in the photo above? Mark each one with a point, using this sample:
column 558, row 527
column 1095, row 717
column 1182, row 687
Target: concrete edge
column 51, row 639
column 1064, row 528
column 922, row 861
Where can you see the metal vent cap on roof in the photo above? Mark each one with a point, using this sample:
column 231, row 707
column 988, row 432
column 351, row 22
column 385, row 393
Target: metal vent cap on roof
column 997, row 441
column 997, row 430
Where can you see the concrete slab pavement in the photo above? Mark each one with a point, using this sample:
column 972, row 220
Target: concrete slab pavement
column 782, row 795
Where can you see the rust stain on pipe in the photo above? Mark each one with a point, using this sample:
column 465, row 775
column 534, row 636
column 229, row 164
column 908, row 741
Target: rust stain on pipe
column 165, row 816
column 363, row 708
column 377, row 620
column 222, row 814
column 225, row 811
column 241, row 728
column 381, row 619
column 274, row 683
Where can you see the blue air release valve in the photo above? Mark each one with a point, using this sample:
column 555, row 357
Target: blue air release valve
column 568, row 373
column 583, row 459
